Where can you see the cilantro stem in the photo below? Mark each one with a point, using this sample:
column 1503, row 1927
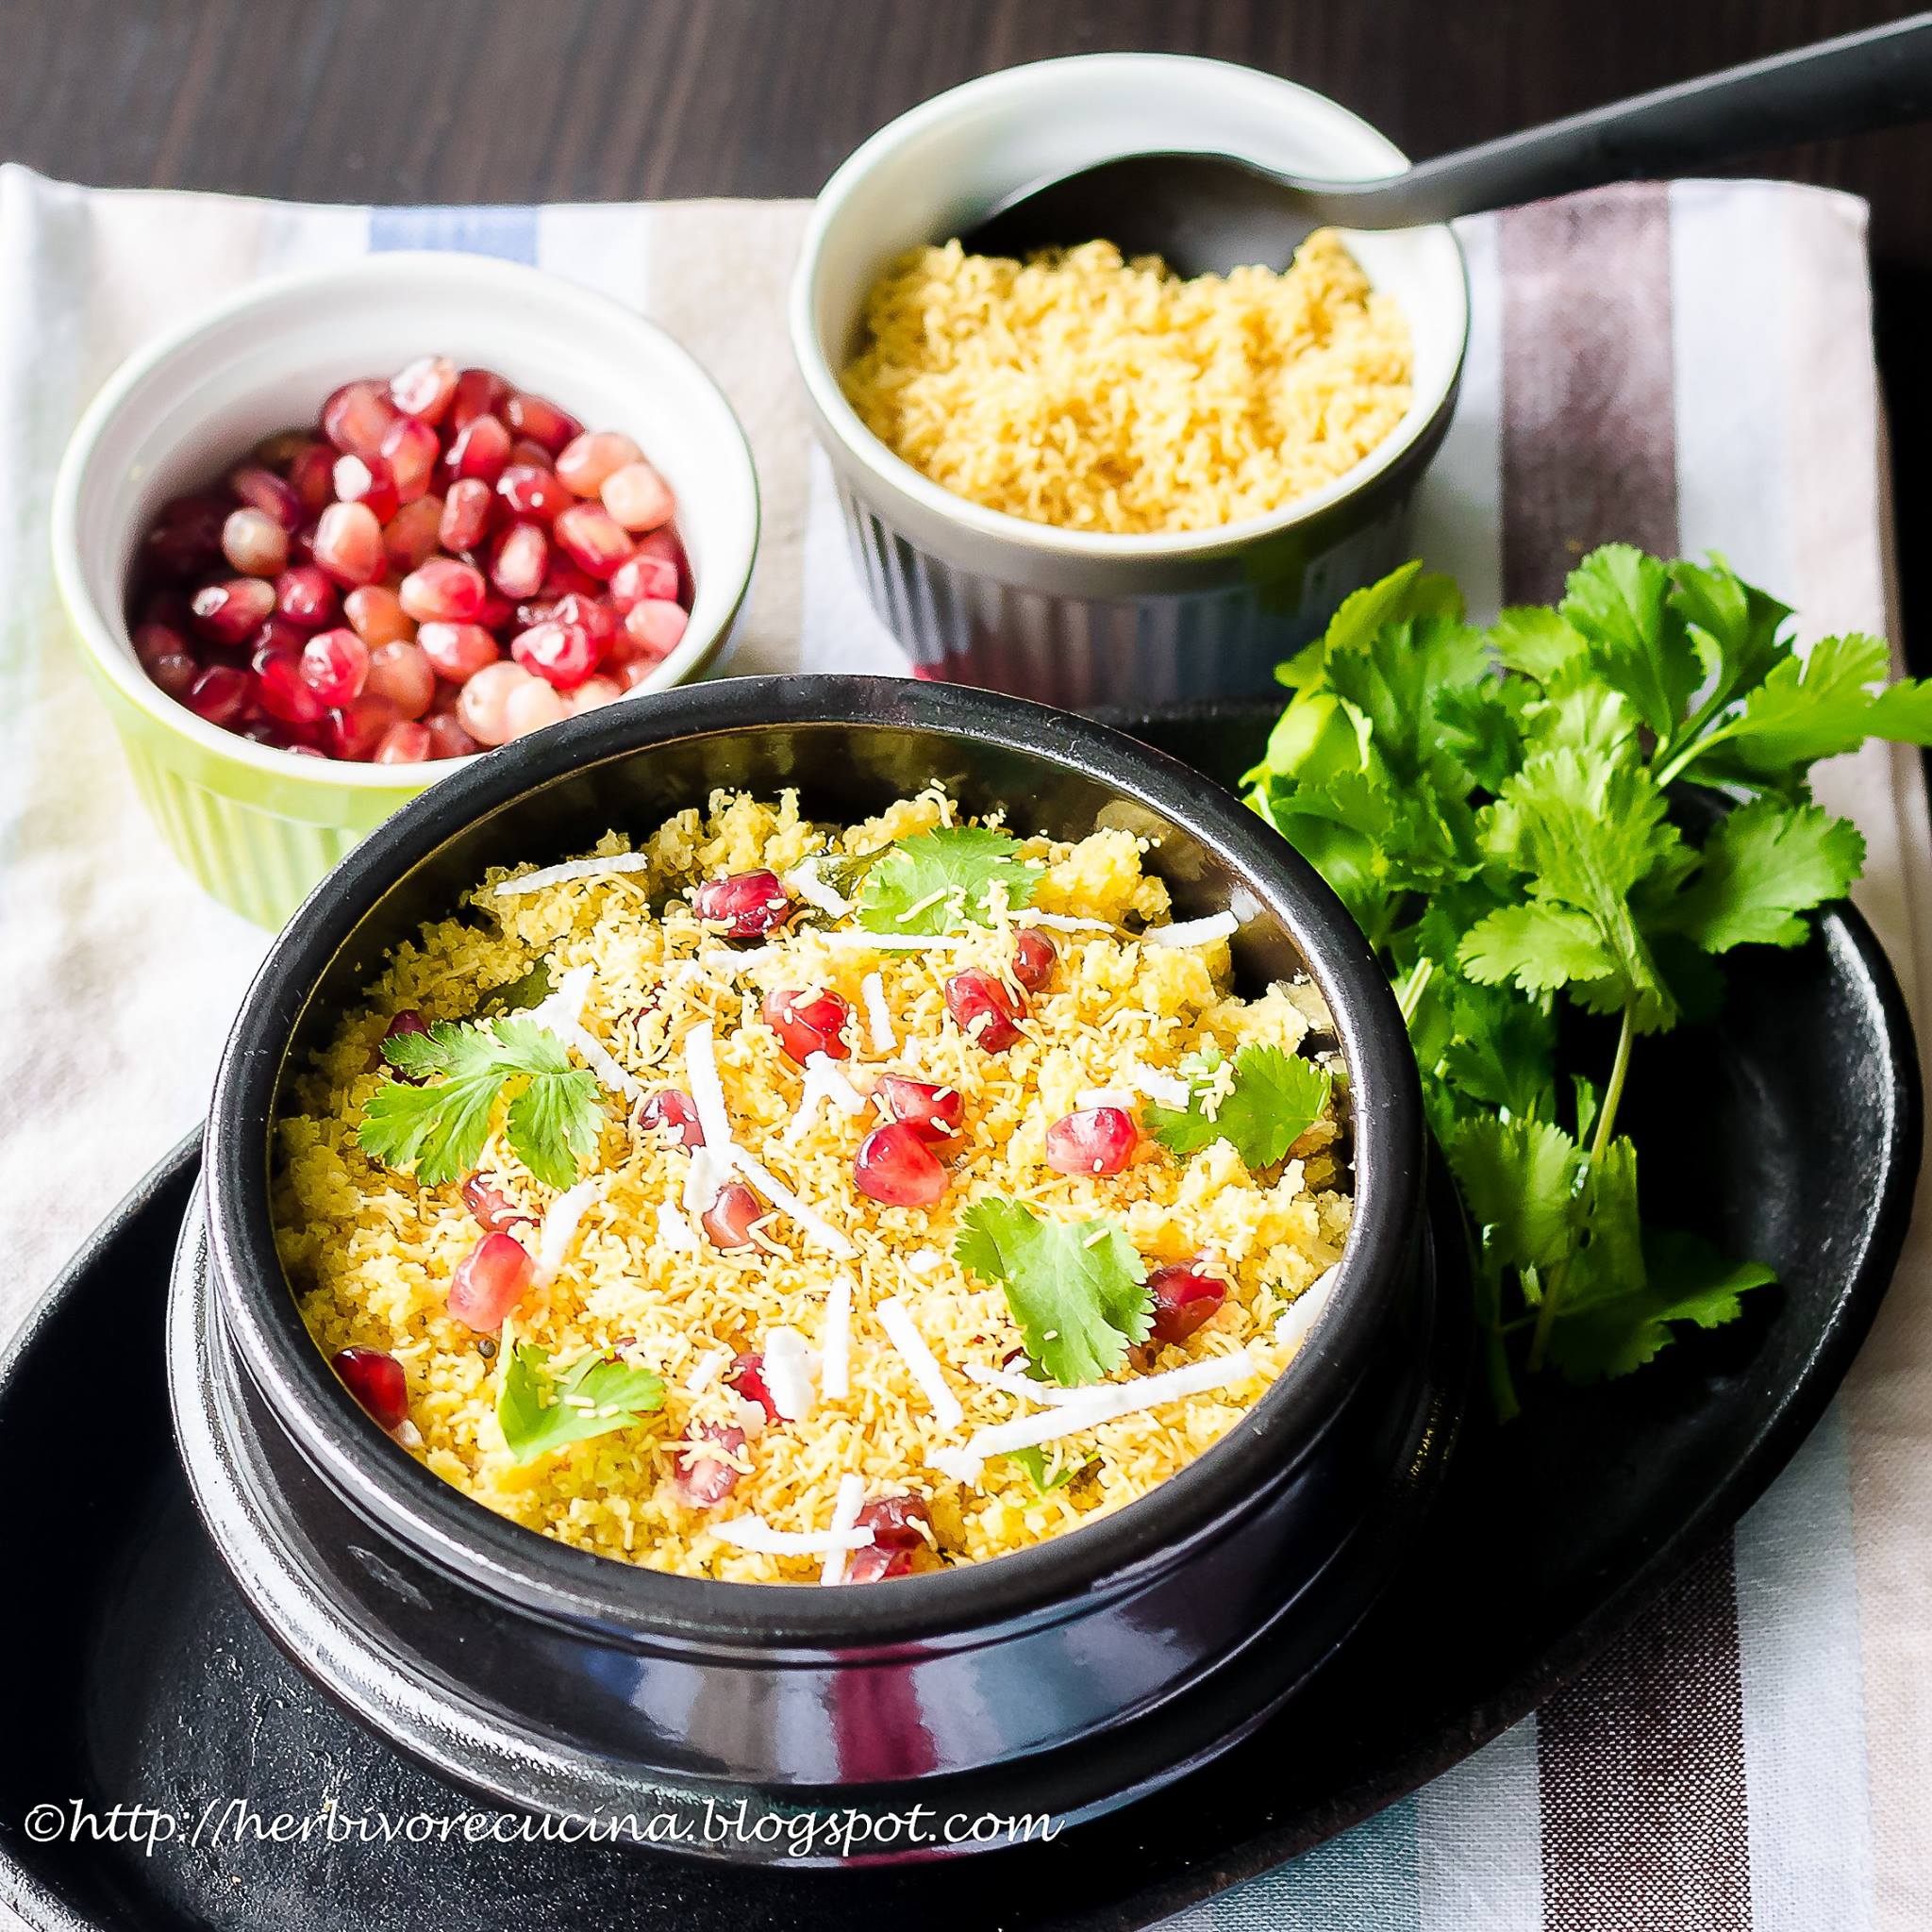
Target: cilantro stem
column 1410, row 996
column 1606, row 1128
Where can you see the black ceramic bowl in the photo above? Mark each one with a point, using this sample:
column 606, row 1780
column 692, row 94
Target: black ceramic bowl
column 581, row 1686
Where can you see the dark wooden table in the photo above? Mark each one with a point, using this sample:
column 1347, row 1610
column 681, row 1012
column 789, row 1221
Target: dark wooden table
column 532, row 100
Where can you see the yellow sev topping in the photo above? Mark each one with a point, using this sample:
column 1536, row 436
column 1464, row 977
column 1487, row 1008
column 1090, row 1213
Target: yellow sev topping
column 372, row 1255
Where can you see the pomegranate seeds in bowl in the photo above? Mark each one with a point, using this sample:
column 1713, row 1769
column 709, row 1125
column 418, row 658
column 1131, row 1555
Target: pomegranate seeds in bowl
column 443, row 562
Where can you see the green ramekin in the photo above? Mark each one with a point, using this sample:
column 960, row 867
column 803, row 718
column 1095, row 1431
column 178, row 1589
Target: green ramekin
column 255, row 827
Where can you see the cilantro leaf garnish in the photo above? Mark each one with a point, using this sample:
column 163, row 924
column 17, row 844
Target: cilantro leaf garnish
column 1262, row 1105
column 939, row 881
column 538, row 1410
column 1045, row 1476
column 1500, row 812
column 439, row 1128
column 1076, row 1289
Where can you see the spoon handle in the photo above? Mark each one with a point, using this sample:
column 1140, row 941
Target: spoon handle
column 1859, row 82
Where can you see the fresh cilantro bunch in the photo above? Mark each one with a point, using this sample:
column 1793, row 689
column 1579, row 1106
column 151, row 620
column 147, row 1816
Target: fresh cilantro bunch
column 942, row 881
column 1495, row 806
column 539, row 1410
column 438, row 1118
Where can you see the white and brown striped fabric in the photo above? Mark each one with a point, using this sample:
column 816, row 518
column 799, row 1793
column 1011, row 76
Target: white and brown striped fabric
column 1688, row 367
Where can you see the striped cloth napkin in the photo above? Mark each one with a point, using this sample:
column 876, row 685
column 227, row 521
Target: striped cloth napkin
column 1688, row 367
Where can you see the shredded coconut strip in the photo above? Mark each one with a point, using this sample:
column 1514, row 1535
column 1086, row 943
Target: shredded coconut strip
column 806, row 883
column 708, row 1093
column 1014, row 1383
column 780, row 1196
column 755, row 1533
column 878, row 1016
column 835, row 1343
column 897, row 1320
column 1193, row 932
column 574, row 868
column 1122, row 1097
column 559, row 1229
column 674, row 1229
column 1292, row 1325
column 1167, row 1090
column 845, row 1508
column 1105, row 1404
column 596, row 1057
column 708, row 1367
column 788, row 1373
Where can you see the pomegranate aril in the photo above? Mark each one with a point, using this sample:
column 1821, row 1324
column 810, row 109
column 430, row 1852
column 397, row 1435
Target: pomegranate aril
column 447, row 738
column 457, row 651
column 896, row 1167
column 231, row 611
column 313, row 478
column 334, row 665
column 410, row 449
column 358, row 727
column 481, row 708
column 253, row 542
column 705, row 1475
column 407, row 1021
column 540, row 420
column 368, row 479
column 745, row 1378
column 532, row 493
column 746, row 905
column 590, row 613
column 262, row 490
column 375, row 1378
column 560, row 654
column 727, row 1222
column 1035, row 956
column 356, row 416
column 348, row 544
column 671, row 1112
column 896, row 1523
column 531, row 455
column 400, row 673
column 1095, row 1140
column 640, row 576
column 1184, row 1297
column 597, row 544
column 187, row 536
column 586, row 460
column 873, row 1565
column 654, row 628
column 532, row 707
column 494, row 1212
column 478, row 393
column 376, row 615
column 638, row 498
column 405, row 742
column 639, row 671
column 441, row 590
column 306, row 598
column 933, row 1112
column 593, row 695
column 221, row 695
column 165, row 655
column 466, row 512
column 410, row 538
column 478, row 451
column 280, row 689
column 488, row 1282
column 985, row 1009
column 516, row 565
column 563, row 579
column 278, row 450
column 808, row 1025
column 424, row 387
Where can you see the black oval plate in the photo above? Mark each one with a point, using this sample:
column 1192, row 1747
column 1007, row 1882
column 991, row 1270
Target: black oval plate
column 140, row 1679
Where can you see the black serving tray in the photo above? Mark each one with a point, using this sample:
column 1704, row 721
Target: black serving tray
column 1788, row 1128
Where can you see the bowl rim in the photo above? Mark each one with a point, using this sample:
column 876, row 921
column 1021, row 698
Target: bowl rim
column 97, row 633
column 537, row 1576
column 903, row 482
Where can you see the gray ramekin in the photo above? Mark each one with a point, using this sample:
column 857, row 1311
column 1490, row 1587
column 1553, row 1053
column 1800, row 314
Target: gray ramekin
column 1078, row 617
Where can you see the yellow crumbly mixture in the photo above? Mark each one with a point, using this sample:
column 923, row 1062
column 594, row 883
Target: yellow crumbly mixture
column 1080, row 389
column 371, row 1254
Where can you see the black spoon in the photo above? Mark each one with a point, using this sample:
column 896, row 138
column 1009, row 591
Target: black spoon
column 1207, row 213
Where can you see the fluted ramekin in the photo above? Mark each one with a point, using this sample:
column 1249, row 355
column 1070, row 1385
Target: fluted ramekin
column 1081, row 617
column 258, row 827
